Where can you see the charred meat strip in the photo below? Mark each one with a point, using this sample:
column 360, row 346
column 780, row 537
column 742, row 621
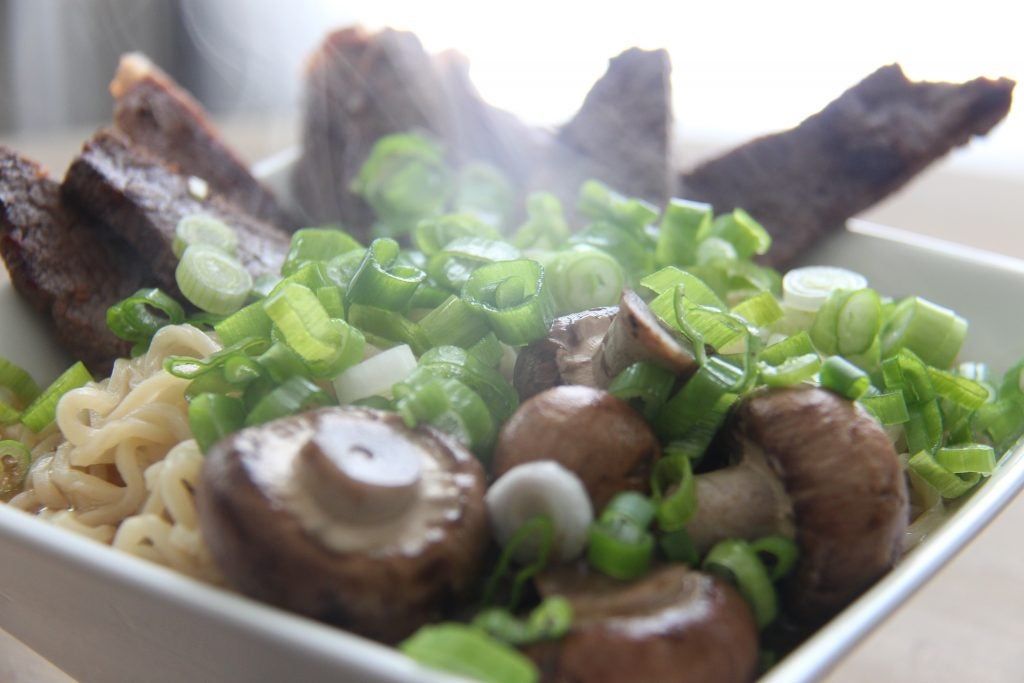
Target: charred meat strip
column 863, row 146
column 359, row 88
column 65, row 266
column 622, row 133
column 124, row 187
column 155, row 112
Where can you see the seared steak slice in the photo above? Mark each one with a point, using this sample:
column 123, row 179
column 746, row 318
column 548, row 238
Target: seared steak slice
column 126, row 188
column 65, row 266
column 359, row 88
column 622, row 133
column 156, row 113
column 863, row 146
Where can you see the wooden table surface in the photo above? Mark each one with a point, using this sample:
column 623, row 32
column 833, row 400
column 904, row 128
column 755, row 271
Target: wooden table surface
column 967, row 624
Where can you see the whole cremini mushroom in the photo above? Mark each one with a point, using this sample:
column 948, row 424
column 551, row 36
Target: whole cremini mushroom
column 347, row 516
column 815, row 467
column 595, row 435
column 675, row 624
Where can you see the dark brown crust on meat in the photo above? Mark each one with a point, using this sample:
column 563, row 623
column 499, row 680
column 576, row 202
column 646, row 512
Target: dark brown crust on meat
column 65, row 266
column 142, row 200
column 622, row 133
column 153, row 111
column 360, row 87
column 863, row 146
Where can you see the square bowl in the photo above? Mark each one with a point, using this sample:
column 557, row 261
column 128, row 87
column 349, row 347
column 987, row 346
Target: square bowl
column 102, row 615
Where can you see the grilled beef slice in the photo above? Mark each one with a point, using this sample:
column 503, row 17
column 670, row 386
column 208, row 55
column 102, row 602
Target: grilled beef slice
column 65, row 266
column 359, row 88
column 622, row 133
column 154, row 112
column 863, row 146
column 127, row 189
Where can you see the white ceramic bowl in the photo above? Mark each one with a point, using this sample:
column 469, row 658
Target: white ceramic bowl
column 101, row 615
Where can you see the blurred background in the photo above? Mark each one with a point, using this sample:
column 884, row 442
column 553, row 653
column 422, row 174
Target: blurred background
column 740, row 68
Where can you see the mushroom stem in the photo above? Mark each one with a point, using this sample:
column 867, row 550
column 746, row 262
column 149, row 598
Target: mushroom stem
column 636, row 335
column 746, row 501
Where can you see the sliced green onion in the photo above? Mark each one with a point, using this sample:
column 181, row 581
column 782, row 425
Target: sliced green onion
column 404, row 179
column 317, row 245
column 924, row 426
column 40, row 413
column 620, row 549
column 211, row 417
column 14, row 463
column 212, row 280
column 584, row 277
column 432, row 235
column 737, row 562
column 484, row 191
column 759, row 310
column 665, row 281
column 848, row 322
column 293, row 396
column 778, row 554
column 469, row 651
column 599, row 202
column 808, row 288
column 948, row 484
column 454, row 323
column 280, row 362
column 791, row 371
column 16, row 381
column 201, row 228
column 302, row 322
column 380, row 281
column 551, row 619
column 683, row 224
column 888, row 408
column 1002, row 421
column 844, row 378
column 448, row 405
column 452, row 266
column 962, row 391
column 967, row 459
column 906, row 371
column 545, row 226
column 645, row 383
column 389, row 325
column 798, row 344
column 675, row 490
column 537, row 532
column 451, row 361
column 138, row 317
column 747, row 236
column 694, row 441
column 375, row 375
column 697, row 397
column 522, row 321
column 678, row 546
column 618, row 543
column 630, row 248
column 933, row 332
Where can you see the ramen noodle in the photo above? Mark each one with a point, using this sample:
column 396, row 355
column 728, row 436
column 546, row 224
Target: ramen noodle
column 120, row 465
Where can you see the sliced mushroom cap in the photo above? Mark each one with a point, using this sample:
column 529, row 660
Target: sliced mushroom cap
column 600, row 438
column 347, row 516
column 566, row 355
column 636, row 335
column 815, row 466
column 676, row 624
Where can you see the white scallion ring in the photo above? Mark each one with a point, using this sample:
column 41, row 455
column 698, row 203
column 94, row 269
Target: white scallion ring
column 807, row 288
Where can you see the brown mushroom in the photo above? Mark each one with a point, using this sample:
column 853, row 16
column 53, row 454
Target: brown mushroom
column 600, row 438
column 814, row 467
column 636, row 335
column 565, row 356
column 675, row 624
column 347, row 516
